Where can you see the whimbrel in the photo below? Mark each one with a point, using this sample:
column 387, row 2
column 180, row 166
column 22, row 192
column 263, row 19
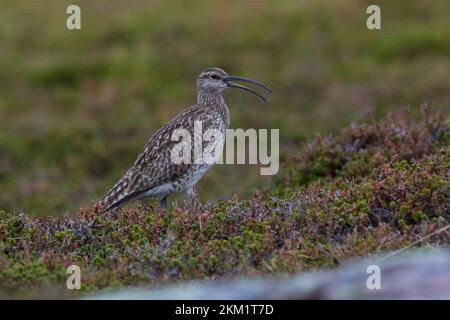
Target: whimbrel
column 154, row 174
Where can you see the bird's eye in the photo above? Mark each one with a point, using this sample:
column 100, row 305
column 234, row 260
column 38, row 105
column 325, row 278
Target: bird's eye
column 214, row 76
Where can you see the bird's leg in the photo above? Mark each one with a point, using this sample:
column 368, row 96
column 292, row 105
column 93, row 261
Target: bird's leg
column 163, row 203
column 189, row 198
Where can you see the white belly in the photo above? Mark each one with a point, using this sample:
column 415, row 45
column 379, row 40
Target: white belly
column 160, row 191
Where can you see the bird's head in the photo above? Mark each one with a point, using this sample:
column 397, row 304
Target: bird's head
column 216, row 80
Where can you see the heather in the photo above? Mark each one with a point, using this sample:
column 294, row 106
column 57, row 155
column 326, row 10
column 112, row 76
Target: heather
column 398, row 200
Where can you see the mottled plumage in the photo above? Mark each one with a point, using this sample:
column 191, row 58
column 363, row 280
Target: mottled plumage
column 153, row 174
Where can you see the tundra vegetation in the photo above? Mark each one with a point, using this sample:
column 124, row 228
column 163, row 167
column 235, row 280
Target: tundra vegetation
column 369, row 189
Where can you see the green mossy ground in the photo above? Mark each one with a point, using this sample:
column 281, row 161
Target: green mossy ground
column 369, row 189
column 76, row 107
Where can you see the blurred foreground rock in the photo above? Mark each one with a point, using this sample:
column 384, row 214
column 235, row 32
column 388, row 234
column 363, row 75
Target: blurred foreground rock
column 412, row 275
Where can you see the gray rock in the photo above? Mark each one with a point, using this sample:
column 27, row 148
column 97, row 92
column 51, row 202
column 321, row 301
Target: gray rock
column 416, row 274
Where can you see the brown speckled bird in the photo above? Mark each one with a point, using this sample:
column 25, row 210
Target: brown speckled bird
column 154, row 174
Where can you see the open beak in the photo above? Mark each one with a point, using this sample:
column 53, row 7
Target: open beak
column 259, row 84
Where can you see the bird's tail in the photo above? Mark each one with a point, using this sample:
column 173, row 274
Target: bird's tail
column 115, row 197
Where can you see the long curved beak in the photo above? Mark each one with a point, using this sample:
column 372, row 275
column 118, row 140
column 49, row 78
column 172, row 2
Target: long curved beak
column 259, row 84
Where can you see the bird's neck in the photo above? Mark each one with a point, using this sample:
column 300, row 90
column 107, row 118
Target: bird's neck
column 214, row 101
column 210, row 98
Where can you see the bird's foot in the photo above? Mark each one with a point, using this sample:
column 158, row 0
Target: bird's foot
column 163, row 203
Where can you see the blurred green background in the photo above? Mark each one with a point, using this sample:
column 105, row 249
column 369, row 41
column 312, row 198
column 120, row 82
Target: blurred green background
column 76, row 107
